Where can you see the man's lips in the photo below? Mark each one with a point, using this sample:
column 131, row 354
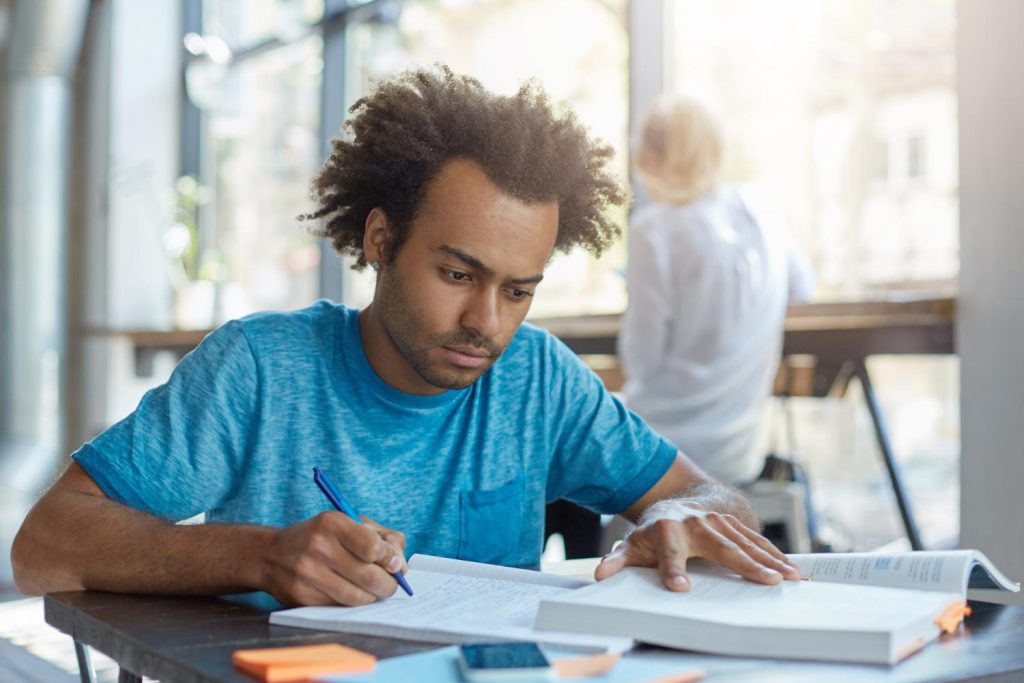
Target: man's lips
column 469, row 351
column 466, row 356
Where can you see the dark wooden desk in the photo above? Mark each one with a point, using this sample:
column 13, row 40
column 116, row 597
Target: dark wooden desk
column 179, row 639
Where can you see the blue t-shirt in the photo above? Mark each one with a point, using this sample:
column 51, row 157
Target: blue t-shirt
column 245, row 417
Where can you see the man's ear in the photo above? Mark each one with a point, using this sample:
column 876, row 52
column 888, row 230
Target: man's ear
column 376, row 236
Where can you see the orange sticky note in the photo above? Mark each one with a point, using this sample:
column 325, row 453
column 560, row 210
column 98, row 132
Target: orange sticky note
column 951, row 617
column 583, row 667
column 282, row 664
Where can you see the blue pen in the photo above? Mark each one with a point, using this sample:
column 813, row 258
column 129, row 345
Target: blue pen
column 342, row 505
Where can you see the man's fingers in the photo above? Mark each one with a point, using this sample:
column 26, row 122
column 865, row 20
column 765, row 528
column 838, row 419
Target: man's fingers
column 385, row 555
column 389, row 555
column 757, row 538
column 365, row 542
column 303, row 595
column 716, row 546
column 314, row 577
column 343, row 592
column 662, row 543
column 362, row 557
column 612, row 563
column 392, row 536
column 673, row 550
column 785, row 565
column 746, row 544
column 397, row 540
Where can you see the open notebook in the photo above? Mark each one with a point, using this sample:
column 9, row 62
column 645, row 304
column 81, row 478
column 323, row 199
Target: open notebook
column 856, row 607
column 456, row 602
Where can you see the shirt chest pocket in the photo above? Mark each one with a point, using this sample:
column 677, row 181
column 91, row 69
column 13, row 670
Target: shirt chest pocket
column 491, row 523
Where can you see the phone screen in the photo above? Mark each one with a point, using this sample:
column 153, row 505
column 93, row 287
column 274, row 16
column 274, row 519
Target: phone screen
column 504, row 656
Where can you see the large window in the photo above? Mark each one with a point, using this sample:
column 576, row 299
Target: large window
column 846, row 111
column 244, row 23
column 256, row 78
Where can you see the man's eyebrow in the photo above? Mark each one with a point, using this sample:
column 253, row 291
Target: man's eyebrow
column 476, row 263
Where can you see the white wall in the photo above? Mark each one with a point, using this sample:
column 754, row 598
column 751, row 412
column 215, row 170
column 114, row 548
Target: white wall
column 990, row 324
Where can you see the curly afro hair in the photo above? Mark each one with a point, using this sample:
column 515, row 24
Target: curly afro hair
column 400, row 137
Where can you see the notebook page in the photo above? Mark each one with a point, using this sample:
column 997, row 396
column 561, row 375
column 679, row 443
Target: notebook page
column 444, row 565
column 450, row 608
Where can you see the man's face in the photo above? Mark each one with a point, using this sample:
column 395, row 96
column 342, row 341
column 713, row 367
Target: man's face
column 464, row 279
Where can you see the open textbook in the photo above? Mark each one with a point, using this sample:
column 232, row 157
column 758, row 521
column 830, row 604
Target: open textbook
column 855, row 607
column 456, row 602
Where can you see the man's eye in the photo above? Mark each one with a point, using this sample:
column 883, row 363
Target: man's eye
column 521, row 293
column 456, row 275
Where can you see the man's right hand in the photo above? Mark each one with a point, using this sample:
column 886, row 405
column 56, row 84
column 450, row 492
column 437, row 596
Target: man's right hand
column 332, row 560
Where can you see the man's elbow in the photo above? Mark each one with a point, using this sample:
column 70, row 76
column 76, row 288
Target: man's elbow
column 25, row 578
column 34, row 573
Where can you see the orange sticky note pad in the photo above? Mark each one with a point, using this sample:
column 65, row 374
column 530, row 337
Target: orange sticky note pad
column 951, row 617
column 282, row 664
column 583, row 667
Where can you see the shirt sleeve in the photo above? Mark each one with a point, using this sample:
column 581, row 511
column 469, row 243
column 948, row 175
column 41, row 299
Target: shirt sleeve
column 182, row 450
column 645, row 327
column 606, row 457
column 799, row 272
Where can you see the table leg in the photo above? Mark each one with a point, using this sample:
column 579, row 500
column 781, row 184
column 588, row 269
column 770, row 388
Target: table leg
column 902, row 500
column 85, row 670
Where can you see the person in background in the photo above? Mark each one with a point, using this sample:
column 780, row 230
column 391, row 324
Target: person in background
column 710, row 274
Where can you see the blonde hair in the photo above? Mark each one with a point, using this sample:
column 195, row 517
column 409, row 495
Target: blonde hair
column 680, row 152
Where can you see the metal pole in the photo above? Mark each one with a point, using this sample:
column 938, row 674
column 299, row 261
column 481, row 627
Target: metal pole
column 898, row 488
column 85, row 670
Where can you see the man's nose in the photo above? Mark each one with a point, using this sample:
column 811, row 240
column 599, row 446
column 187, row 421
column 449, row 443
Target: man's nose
column 482, row 313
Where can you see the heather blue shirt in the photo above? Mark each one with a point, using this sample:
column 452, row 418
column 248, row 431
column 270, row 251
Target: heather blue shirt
column 237, row 429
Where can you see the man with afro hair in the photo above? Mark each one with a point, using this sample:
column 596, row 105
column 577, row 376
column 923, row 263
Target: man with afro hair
column 436, row 410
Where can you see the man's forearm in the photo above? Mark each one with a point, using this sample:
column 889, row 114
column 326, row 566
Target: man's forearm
column 712, row 496
column 76, row 540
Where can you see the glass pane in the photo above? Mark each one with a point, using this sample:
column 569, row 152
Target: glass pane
column 503, row 43
column 243, row 23
column 261, row 151
column 846, row 111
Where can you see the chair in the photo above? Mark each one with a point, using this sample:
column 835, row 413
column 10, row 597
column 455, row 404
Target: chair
column 781, row 506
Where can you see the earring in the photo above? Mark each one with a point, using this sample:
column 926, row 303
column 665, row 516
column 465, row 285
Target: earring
column 375, row 265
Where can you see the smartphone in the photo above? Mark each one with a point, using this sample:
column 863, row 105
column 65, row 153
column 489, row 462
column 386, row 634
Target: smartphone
column 504, row 662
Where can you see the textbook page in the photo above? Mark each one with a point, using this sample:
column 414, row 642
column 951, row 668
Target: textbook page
column 732, row 600
column 947, row 571
column 728, row 615
column 465, row 602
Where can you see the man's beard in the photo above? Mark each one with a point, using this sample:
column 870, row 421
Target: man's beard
column 403, row 327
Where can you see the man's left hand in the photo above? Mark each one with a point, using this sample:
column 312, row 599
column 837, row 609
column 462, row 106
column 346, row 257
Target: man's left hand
column 673, row 531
